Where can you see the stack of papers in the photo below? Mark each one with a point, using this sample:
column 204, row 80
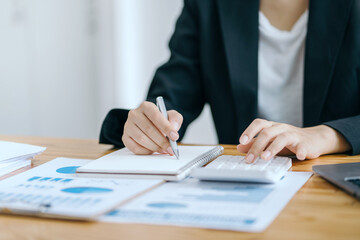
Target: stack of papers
column 16, row 155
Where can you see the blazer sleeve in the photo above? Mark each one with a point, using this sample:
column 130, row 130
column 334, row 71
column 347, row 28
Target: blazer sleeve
column 113, row 127
column 349, row 127
column 179, row 80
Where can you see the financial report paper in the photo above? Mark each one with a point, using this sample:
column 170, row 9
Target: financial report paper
column 55, row 184
column 215, row 205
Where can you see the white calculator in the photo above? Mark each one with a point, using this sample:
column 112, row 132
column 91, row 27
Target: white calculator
column 235, row 169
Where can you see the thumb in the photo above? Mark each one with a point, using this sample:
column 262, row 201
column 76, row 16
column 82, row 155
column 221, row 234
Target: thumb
column 175, row 119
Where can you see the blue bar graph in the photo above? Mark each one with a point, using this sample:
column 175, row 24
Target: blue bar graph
column 55, row 179
column 33, row 178
column 67, row 180
column 49, row 179
column 44, row 179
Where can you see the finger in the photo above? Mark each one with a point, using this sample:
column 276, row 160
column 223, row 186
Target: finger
column 279, row 143
column 285, row 152
column 134, row 147
column 155, row 116
column 175, row 119
column 253, row 129
column 301, row 151
column 141, row 138
column 245, row 148
column 148, row 128
column 262, row 141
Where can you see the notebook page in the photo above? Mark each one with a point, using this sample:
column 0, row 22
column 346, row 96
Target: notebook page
column 124, row 161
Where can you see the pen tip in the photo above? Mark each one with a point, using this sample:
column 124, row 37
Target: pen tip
column 177, row 154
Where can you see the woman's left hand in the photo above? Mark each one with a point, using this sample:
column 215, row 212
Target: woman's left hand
column 266, row 139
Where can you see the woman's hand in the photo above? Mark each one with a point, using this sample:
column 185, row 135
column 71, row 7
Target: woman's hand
column 146, row 129
column 266, row 139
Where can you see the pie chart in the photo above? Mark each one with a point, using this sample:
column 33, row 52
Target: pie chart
column 67, row 170
column 166, row 205
column 86, row 190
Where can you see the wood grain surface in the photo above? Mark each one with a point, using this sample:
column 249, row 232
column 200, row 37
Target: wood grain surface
column 318, row 211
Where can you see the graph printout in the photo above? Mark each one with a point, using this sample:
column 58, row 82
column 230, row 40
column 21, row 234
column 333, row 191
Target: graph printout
column 217, row 205
column 55, row 185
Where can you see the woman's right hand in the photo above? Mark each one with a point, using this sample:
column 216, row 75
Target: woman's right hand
column 146, row 129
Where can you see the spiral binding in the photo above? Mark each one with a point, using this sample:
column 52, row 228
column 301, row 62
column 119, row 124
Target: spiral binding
column 204, row 158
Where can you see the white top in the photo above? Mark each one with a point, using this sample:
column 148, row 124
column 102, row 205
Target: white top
column 281, row 71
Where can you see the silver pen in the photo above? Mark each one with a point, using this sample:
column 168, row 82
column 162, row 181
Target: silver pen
column 161, row 105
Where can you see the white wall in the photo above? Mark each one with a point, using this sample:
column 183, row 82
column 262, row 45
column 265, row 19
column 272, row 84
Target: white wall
column 143, row 32
column 65, row 63
column 47, row 68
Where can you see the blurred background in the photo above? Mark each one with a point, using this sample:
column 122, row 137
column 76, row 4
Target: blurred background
column 64, row 64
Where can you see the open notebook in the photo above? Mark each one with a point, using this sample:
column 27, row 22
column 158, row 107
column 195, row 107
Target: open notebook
column 123, row 163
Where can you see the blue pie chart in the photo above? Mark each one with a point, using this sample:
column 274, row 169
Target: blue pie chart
column 166, row 205
column 84, row 190
column 67, row 170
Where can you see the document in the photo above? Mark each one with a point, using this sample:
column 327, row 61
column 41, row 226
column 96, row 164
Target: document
column 11, row 151
column 216, row 205
column 53, row 190
column 16, row 155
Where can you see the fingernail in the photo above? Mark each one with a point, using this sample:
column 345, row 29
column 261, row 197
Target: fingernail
column 175, row 125
column 300, row 156
column 174, row 136
column 170, row 151
column 244, row 139
column 249, row 158
column 266, row 155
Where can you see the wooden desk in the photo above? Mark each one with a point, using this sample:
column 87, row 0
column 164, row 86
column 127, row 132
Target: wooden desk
column 318, row 211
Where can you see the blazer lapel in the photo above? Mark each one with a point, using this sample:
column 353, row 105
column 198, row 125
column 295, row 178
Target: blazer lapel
column 326, row 28
column 239, row 25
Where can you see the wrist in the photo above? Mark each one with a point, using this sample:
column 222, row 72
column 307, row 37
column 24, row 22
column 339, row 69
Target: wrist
column 331, row 140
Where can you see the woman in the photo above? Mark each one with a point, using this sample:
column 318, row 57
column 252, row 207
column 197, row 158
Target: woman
column 292, row 65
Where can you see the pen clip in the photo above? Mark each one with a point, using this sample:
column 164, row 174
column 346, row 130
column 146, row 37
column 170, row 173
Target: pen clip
column 23, row 207
column 161, row 105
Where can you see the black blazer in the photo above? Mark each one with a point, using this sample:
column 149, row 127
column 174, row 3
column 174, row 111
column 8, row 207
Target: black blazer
column 214, row 52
